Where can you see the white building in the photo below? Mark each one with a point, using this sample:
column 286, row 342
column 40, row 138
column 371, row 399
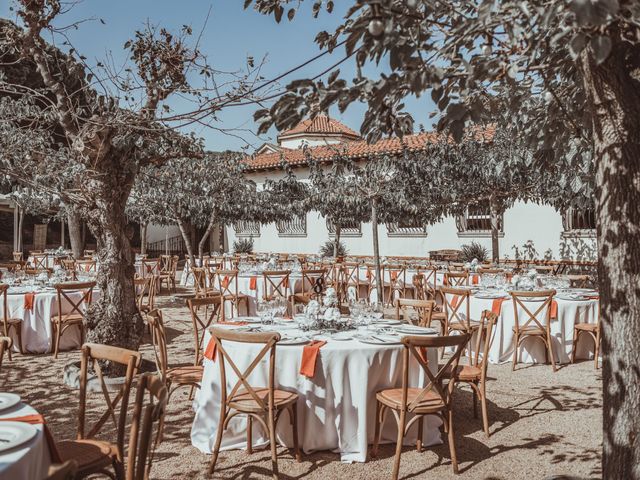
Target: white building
column 565, row 235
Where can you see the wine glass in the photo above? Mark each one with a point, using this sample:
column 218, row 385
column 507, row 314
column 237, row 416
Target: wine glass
column 377, row 311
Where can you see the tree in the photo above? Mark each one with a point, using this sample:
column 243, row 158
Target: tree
column 55, row 121
column 570, row 72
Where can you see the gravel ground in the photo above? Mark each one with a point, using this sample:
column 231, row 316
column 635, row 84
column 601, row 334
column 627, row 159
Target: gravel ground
column 542, row 424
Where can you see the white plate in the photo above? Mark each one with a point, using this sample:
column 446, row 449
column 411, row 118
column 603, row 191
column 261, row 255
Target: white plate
column 251, row 319
column 13, row 434
column 415, row 330
column 387, row 321
column 343, row 336
column 294, row 340
column 8, row 400
column 570, row 298
column 380, row 339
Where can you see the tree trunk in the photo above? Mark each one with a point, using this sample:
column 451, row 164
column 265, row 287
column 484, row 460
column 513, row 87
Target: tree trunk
column 336, row 241
column 376, row 251
column 20, row 227
column 186, row 237
column 613, row 89
column 495, row 229
column 74, row 221
column 114, row 318
column 203, row 240
column 143, row 238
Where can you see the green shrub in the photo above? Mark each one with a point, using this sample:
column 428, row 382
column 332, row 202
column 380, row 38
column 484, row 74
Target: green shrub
column 326, row 249
column 244, row 245
column 474, row 250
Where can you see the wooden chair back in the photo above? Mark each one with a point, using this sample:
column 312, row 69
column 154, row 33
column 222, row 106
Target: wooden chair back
column 201, row 282
column 532, row 319
column 430, row 276
column 397, row 281
column 419, row 286
column 423, row 311
column 580, row 281
column 276, row 284
column 351, row 275
column 4, row 289
column 269, row 341
column 372, row 277
column 202, row 321
column 414, row 346
column 456, row 279
column 150, row 267
column 165, row 263
column 40, row 261
column 227, row 283
column 86, row 266
column 456, row 302
column 5, row 346
column 146, row 416
column 490, row 271
column 484, row 339
column 158, row 341
column 145, row 289
column 77, row 306
column 93, row 355
column 456, row 267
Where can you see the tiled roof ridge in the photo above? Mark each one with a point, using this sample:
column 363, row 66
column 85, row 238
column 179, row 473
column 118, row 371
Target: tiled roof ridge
column 320, row 124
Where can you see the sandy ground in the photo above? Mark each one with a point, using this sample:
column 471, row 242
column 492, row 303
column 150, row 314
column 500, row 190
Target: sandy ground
column 542, row 424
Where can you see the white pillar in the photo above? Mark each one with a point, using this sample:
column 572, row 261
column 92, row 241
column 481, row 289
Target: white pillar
column 62, row 233
column 16, row 220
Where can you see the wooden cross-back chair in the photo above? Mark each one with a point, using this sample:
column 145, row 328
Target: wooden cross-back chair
column 86, row 266
column 433, row 399
column 430, row 281
column 227, row 285
column 351, row 278
column 212, row 307
column 475, row 374
column 40, row 261
column 371, row 279
column 580, row 281
column 93, row 455
column 456, row 279
column 145, row 289
column 174, row 377
column 594, row 331
column 77, row 308
column 422, row 311
column 456, row 267
column 167, row 273
column 457, row 311
column 490, row 271
column 276, row 284
column 263, row 404
column 5, row 346
column 69, row 266
column 150, row 267
column 397, row 282
column 536, row 322
column 10, row 324
column 314, row 284
column 419, row 286
column 201, row 283
column 142, row 445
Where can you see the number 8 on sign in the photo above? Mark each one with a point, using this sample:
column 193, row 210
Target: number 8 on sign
column 318, row 286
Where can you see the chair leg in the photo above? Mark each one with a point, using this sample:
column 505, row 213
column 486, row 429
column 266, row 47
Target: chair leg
column 452, row 445
column 574, row 345
column 396, row 462
column 216, row 447
column 294, row 426
column 553, row 360
column 272, row 441
column 419, row 439
column 475, row 402
column 515, row 355
column 249, row 434
column 7, row 333
column 56, row 339
column 485, row 413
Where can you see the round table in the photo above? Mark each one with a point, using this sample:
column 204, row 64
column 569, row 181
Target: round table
column 336, row 408
column 29, row 461
column 532, row 350
column 36, row 323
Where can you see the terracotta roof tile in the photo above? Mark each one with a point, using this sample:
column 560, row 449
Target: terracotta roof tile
column 320, row 124
column 353, row 150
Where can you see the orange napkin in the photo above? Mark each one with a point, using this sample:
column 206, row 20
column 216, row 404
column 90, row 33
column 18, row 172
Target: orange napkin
column 496, row 305
column 211, row 350
column 368, row 274
column 285, row 282
column 394, row 276
column 28, row 300
column 225, row 282
column 593, row 297
column 445, row 281
column 554, row 309
column 37, row 419
column 475, row 279
column 455, row 300
column 309, row 357
column 253, row 283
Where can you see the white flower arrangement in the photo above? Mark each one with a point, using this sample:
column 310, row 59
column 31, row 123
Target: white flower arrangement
column 331, row 298
column 312, row 308
column 532, row 273
column 331, row 313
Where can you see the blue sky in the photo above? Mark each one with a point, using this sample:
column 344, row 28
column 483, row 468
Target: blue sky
column 231, row 34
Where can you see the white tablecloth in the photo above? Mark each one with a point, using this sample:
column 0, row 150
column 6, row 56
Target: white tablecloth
column 532, row 350
column 36, row 323
column 29, row 461
column 336, row 408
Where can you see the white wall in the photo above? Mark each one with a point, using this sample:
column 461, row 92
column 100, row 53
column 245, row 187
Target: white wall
column 541, row 224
